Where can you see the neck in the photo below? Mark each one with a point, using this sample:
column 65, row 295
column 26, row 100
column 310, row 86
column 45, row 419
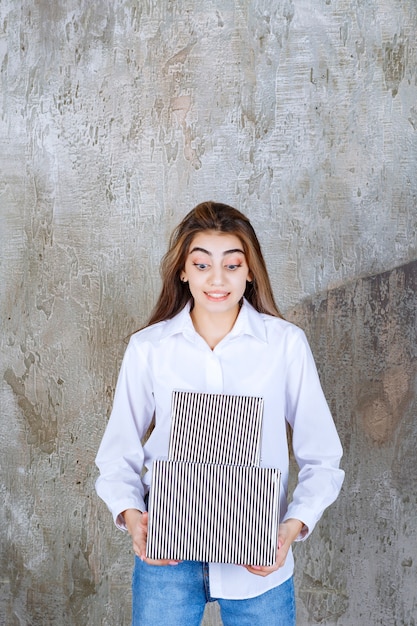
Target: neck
column 213, row 327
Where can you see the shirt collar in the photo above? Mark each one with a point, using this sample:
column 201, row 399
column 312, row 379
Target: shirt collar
column 249, row 322
column 180, row 323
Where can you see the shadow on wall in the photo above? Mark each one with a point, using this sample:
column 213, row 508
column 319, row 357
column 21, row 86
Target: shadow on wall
column 358, row 566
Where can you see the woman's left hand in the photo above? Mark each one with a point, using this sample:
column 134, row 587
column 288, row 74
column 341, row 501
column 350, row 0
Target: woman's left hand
column 288, row 532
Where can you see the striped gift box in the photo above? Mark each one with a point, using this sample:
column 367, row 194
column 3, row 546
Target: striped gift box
column 214, row 513
column 215, row 428
column 210, row 501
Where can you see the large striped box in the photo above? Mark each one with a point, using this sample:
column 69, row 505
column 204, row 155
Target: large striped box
column 210, row 501
column 214, row 513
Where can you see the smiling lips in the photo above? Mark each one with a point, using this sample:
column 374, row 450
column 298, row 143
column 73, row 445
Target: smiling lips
column 215, row 295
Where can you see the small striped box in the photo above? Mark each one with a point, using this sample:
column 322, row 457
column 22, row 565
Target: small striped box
column 210, row 501
column 215, row 428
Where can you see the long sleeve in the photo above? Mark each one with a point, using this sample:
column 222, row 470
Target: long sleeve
column 120, row 457
column 316, row 444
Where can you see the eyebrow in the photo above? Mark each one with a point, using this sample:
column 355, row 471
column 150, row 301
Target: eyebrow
column 225, row 253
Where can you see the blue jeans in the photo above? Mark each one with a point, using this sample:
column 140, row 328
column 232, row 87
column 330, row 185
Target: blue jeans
column 176, row 595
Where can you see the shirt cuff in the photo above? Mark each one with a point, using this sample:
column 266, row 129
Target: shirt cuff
column 120, row 522
column 303, row 534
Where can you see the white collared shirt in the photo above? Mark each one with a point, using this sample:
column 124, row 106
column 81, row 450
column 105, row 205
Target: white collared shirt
column 261, row 356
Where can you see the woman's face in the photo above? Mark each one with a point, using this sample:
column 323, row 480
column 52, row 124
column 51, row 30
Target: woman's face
column 216, row 271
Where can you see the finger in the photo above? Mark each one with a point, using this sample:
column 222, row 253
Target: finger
column 140, row 546
column 159, row 562
column 141, row 537
column 144, row 520
column 260, row 571
column 281, row 557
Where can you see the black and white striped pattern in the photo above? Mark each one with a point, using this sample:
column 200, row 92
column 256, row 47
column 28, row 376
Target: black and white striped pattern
column 211, row 501
column 215, row 428
column 217, row 513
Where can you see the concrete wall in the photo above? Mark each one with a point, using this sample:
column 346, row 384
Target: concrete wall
column 115, row 119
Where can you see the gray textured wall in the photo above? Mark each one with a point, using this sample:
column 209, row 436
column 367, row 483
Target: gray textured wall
column 115, row 119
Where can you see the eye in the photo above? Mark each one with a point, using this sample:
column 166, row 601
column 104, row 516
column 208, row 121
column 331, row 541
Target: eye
column 233, row 266
column 201, row 266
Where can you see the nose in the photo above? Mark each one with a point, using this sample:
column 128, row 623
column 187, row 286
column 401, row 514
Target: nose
column 216, row 277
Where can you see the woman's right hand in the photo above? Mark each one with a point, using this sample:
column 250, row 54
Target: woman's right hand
column 137, row 526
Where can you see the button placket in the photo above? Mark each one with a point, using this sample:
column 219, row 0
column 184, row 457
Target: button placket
column 214, row 374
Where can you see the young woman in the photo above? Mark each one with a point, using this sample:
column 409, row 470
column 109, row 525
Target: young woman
column 217, row 329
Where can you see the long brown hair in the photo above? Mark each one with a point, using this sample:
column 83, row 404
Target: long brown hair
column 220, row 218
